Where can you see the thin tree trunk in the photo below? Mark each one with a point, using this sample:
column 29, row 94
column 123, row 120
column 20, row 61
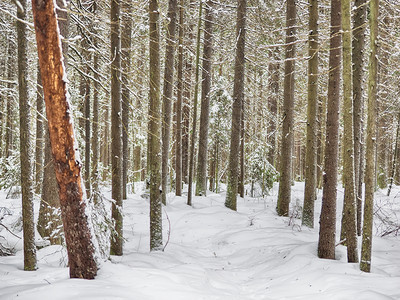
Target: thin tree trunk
column 187, row 84
column 327, row 230
column 273, row 87
column 126, row 44
column 312, row 108
column 10, row 107
column 28, row 223
column 116, row 247
column 81, row 252
column 95, row 128
column 242, row 167
column 201, row 180
column 285, row 181
column 178, row 146
column 167, row 94
column 349, row 221
column 194, row 118
column 365, row 264
column 358, row 45
column 395, row 156
column 87, row 131
column 49, row 224
column 154, row 130
column 238, row 98
column 39, row 148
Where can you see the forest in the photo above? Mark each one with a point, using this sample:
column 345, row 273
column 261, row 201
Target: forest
column 155, row 136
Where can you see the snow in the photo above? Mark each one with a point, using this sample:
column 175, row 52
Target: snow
column 213, row 253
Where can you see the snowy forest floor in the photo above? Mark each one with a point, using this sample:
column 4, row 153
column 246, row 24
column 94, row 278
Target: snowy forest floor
column 214, row 253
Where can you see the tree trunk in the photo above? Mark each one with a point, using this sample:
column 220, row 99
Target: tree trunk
column 126, row 44
column 365, row 264
column 312, row 107
column 327, row 230
column 285, row 181
column 201, row 180
column 273, row 87
column 349, row 221
column 178, row 146
column 39, row 149
column 154, row 130
column 87, row 131
column 238, row 98
column 116, row 247
column 194, row 118
column 187, row 84
column 81, row 252
column 358, row 45
column 49, row 223
column 28, row 223
column 167, row 94
column 9, row 136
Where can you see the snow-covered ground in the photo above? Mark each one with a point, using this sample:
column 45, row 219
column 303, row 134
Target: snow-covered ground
column 213, row 253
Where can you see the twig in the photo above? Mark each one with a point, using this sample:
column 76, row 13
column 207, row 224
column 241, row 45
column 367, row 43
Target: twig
column 10, row 231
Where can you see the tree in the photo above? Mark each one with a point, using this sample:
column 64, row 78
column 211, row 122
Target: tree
column 154, row 130
column 78, row 237
column 327, row 230
column 30, row 263
column 116, row 132
column 178, row 146
column 358, row 45
column 194, row 118
column 284, row 193
column 201, row 178
column 349, row 221
column 39, row 147
column 167, row 94
column 126, row 44
column 238, row 98
column 311, row 154
column 365, row 264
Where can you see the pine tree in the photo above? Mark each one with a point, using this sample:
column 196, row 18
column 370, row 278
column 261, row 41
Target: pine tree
column 327, row 230
column 116, row 131
column 349, row 222
column 365, row 264
column 25, row 141
column 154, row 130
column 78, row 237
column 311, row 154
column 285, row 180
column 238, row 98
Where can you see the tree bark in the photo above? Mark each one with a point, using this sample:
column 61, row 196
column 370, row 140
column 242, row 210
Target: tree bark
column 327, row 230
column 167, row 95
column 28, row 223
column 358, row 45
column 312, row 107
column 178, row 146
column 39, row 148
column 285, row 180
column 201, row 180
column 194, row 118
column 116, row 247
column 365, row 264
column 126, row 44
column 349, row 221
column 81, row 252
column 154, row 130
column 238, row 98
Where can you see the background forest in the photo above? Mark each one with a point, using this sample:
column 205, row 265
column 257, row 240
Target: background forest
column 186, row 99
